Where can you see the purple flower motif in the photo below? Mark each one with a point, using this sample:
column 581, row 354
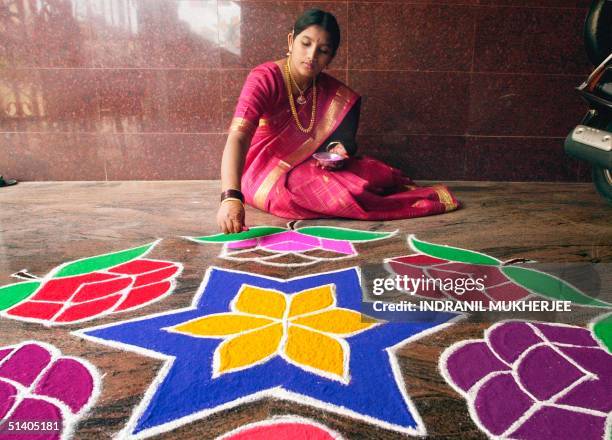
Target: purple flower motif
column 37, row 384
column 287, row 247
column 534, row 381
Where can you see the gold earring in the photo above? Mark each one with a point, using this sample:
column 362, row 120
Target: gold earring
column 288, row 53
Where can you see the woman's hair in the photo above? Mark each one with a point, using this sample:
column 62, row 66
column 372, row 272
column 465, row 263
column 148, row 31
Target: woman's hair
column 319, row 18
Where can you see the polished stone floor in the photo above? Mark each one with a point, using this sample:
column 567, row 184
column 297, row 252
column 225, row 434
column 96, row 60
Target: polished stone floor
column 45, row 224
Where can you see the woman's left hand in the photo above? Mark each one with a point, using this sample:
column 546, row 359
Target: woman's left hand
column 339, row 149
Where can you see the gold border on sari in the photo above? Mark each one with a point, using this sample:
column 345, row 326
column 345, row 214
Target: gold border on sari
column 322, row 131
column 445, row 198
column 243, row 125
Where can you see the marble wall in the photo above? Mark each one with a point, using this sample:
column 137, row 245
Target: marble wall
column 145, row 89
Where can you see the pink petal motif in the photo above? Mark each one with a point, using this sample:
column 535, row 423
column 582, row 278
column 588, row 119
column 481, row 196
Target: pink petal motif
column 281, row 431
column 471, row 362
column 4, row 353
column 48, row 379
column 500, row 402
column 7, row 397
column 25, row 364
column 243, row 244
column 289, row 241
column 31, row 409
column 69, row 381
column 339, row 246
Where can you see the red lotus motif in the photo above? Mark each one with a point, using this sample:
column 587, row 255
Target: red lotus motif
column 445, row 272
column 85, row 296
column 497, row 286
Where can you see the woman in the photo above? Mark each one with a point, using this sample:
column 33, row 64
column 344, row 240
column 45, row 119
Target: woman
column 288, row 110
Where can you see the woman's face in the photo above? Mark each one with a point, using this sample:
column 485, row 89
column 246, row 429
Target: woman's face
column 311, row 51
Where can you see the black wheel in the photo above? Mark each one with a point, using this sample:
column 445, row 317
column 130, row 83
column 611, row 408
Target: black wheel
column 598, row 31
column 602, row 178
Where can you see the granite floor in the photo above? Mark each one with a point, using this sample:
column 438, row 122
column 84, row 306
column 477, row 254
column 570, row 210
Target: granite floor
column 45, row 224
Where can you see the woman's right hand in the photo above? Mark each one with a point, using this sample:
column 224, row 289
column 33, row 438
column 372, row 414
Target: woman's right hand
column 230, row 217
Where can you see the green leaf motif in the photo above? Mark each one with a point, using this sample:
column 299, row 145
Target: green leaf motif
column 342, row 234
column 254, row 232
column 549, row 286
column 101, row 262
column 603, row 331
column 452, row 253
column 14, row 293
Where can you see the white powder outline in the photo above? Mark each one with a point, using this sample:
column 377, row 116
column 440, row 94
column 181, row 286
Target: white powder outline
column 69, row 419
column 52, row 323
column 472, row 392
column 229, row 254
column 277, row 392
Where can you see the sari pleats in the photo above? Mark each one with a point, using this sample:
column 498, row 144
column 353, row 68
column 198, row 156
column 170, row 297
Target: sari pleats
column 365, row 189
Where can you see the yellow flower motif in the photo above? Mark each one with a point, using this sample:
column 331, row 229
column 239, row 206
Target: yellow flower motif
column 306, row 329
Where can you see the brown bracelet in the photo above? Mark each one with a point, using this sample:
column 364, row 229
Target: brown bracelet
column 232, row 194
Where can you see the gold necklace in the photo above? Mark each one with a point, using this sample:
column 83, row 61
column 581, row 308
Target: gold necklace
column 288, row 81
column 301, row 99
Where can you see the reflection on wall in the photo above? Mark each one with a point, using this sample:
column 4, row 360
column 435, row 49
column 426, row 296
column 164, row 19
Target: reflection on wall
column 229, row 27
column 146, row 88
column 20, row 100
column 201, row 18
column 117, row 13
column 39, row 33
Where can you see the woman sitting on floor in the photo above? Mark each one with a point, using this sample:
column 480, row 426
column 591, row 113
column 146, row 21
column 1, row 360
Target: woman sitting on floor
column 288, row 110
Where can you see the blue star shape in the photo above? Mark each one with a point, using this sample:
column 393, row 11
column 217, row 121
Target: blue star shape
column 185, row 389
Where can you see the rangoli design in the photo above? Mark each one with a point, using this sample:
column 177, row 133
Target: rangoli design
column 502, row 282
column 602, row 329
column 533, row 380
column 248, row 336
column 92, row 287
column 271, row 245
column 39, row 385
column 283, row 428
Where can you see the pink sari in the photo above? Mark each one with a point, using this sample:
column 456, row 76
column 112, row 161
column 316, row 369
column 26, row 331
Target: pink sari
column 280, row 175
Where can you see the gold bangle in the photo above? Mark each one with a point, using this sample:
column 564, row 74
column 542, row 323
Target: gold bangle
column 232, row 198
